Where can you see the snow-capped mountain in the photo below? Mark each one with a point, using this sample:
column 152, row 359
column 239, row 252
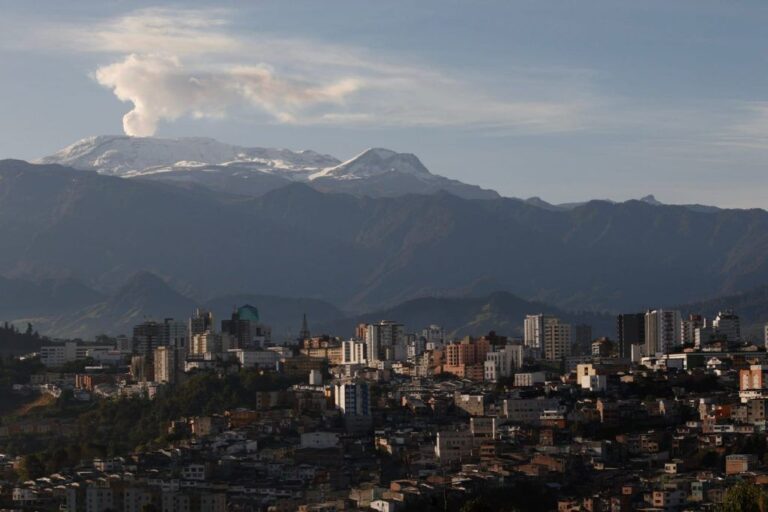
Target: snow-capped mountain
column 255, row 171
column 382, row 172
column 373, row 162
column 124, row 156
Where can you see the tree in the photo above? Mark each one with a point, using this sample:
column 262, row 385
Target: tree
column 31, row 468
column 745, row 497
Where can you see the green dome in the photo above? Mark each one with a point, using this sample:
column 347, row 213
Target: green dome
column 248, row 312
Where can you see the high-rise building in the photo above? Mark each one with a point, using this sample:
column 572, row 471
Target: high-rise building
column 166, row 364
column 434, row 337
column 149, row 335
column 385, row 341
column 662, row 331
column 753, row 382
column 533, row 331
column 630, row 330
column 353, row 352
column 582, row 338
column 557, row 339
column 353, row 398
column 245, row 329
column 206, row 343
column 765, row 335
column 728, row 326
column 201, row 321
column 502, row 362
column 146, row 337
column 688, row 328
column 175, row 335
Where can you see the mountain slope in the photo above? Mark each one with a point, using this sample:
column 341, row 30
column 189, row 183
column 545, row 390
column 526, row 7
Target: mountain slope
column 751, row 306
column 146, row 296
column 367, row 253
column 22, row 298
column 501, row 312
column 381, row 172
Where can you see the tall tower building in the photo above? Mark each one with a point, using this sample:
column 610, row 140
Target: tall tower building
column 168, row 339
column 385, row 341
column 146, row 337
column 166, row 365
column 533, row 331
column 353, row 398
column 688, row 328
column 245, row 328
column 662, row 331
column 200, row 322
column 728, row 325
column 557, row 339
column 630, row 330
column 765, row 335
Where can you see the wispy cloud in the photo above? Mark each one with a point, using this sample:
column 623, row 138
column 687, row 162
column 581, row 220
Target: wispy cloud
column 750, row 131
column 176, row 63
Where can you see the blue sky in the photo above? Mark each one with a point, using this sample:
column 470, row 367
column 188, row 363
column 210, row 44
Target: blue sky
column 562, row 100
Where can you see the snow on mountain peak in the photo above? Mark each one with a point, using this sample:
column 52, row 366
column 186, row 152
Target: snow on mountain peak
column 253, row 171
column 121, row 155
column 374, row 162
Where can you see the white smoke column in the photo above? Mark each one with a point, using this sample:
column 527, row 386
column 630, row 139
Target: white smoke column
column 161, row 88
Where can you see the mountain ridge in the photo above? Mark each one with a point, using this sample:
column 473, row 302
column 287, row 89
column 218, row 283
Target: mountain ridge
column 367, row 253
column 254, row 170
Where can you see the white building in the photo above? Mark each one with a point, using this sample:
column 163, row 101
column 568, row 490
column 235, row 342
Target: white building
column 501, row 363
column 165, row 365
column 61, row 353
column 353, row 398
column 547, row 336
column 588, row 377
column 533, row 331
column 381, row 505
column 315, row 378
column 353, row 352
column 206, row 342
column 528, row 410
column 662, row 331
column 385, row 341
column 529, row 379
column 256, row 358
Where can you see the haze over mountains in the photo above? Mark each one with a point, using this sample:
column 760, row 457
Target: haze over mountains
column 146, row 296
column 360, row 236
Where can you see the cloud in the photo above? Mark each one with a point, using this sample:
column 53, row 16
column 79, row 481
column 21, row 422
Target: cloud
column 162, row 88
column 751, row 129
column 172, row 31
column 177, row 63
